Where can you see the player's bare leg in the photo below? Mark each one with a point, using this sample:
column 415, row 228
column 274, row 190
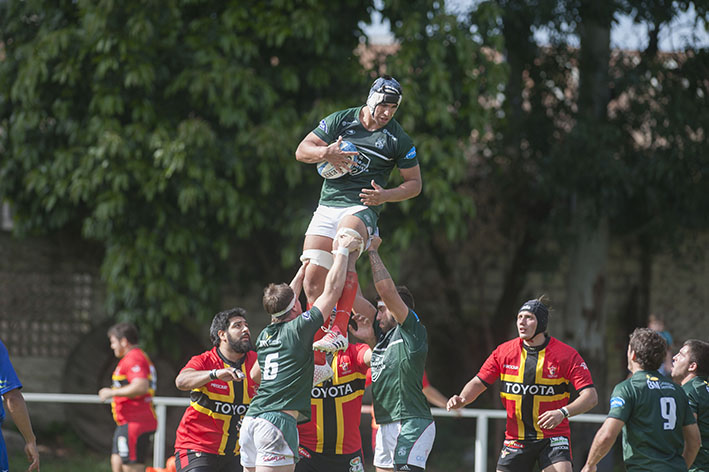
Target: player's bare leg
column 564, row 466
column 336, row 338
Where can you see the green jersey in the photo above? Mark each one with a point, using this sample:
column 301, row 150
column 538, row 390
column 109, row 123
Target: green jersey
column 398, row 361
column 697, row 391
column 379, row 152
column 285, row 355
column 654, row 410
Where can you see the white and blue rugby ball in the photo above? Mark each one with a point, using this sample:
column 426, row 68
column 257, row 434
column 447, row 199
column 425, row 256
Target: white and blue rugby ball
column 328, row 171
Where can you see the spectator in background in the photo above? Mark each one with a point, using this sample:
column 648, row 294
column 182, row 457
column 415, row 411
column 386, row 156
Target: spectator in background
column 15, row 405
column 656, row 323
column 131, row 396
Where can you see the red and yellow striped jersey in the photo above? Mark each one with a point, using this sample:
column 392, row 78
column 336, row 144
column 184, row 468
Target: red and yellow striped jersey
column 535, row 380
column 336, row 406
column 135, row 364
column 211, row 423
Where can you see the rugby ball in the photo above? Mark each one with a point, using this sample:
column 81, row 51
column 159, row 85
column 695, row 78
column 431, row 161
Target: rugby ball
column 328, row 171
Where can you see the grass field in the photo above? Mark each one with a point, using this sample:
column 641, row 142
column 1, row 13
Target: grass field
column 67, row 461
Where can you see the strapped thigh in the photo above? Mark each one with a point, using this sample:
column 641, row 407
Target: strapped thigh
column 318, row 257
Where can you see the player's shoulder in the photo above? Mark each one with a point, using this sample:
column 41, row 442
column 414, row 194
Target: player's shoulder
column 560, row 348
column 513, row 345
column 136, row 354
column 346, row 115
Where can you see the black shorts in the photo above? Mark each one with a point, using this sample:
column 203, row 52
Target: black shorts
column 520, row 456
column 314, row 462
column 131, row 441
column 197, row 461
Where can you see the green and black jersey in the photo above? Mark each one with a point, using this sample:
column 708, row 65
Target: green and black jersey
column 379, row 152
column 398, row 362
column 285, row 356
column 697, row 391
column 654, row 410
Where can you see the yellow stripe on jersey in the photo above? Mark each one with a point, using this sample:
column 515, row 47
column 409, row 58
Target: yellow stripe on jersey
column 318, row 403
column 539, row 374
column 340, row 418
column 517, row 399
column 226, row 422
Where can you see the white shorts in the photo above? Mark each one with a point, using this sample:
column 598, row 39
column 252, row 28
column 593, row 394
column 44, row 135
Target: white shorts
column 404, row 442
column 326, row 219
column 264, row 440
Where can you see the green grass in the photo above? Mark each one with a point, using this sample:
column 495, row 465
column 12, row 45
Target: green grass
column 64, row 461
column 60, row 450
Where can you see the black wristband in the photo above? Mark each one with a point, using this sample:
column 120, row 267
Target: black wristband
column 213, row 374
column 564, row 411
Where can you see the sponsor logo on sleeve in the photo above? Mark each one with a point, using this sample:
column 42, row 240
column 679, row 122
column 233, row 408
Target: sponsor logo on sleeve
column 323, row 125
column 306, row 315
column 617, row 402
column 412, row 153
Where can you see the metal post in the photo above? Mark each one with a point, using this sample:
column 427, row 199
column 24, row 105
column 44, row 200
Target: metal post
column 159, row 446
column 481, row 444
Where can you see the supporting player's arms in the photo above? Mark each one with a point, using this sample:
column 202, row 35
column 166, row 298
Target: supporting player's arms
column 692, row 442
column 602, row 442
column 384, row 283
column 470, row 392
column 335, row 280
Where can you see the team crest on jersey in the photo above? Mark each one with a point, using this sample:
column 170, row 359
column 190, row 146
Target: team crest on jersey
column 350, row 132
column 402, row 451
column 345, row 366
column 412, row 153
column 552, row 368
column 323, row 125
column 380, row 143
column 617, row 402
column 584, row 366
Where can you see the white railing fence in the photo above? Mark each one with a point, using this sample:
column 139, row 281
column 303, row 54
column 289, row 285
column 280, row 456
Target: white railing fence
column 161, row 404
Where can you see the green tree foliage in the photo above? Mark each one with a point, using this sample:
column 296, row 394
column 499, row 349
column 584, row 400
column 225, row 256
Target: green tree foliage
column 165, row 130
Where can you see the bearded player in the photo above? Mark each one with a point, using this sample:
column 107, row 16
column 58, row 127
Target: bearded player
column 352, row 202
column 221, row 390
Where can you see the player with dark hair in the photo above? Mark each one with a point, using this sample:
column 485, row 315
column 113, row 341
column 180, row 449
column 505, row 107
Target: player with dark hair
column 537, row 372
column 269, row 434
column 132, row 392
column 400, row 346
column 15, row 404
column 221, row 390
column 690, row 368
column 352, row 201
column 659, row 430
